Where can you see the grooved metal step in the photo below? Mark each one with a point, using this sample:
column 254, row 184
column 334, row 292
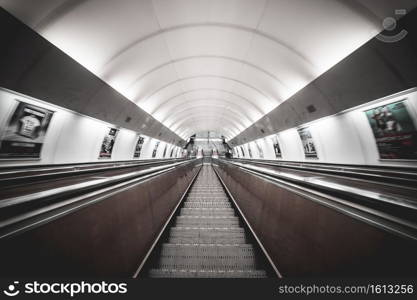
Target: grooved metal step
column 207, row 195
column 207, row 240
column 207, row 257
column 224, row 221
column 207, row 190
column 207, row 212
column 207, row 204
column 174, row 273
column 208, row 198
column 192, row 231
column 202, row 199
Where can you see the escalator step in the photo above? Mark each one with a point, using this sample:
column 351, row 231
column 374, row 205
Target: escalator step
column 207, row 212
column 212, row 250
column 207, row 231
column 207, row 256
column 207, row 204
column 207, row 221
column 207, row 240
column 174, row 273
column 204, row 198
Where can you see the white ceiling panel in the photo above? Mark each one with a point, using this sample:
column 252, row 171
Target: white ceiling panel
column 206, row 39
column 241, row 12
column 197, row 65
column 178, row 12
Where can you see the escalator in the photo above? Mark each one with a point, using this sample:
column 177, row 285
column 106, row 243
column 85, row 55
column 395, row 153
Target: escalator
column 207, row 239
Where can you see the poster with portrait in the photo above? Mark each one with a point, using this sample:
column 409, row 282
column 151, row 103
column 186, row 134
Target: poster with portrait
column 139, row 145
column 394, row 131
column 277, row 148
column 243, row 151
column 108, row 143
column 308, row 143
column 155, row 149
column 260, row 151
column 249, row 151
column 24, row 134
column 165, row 151
column 236, row 152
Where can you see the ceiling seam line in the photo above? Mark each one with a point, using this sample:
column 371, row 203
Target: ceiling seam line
column 211, row 89
column 205, row 76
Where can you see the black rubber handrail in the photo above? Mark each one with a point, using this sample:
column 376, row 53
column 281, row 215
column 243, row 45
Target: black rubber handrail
column 375, row 168
column 80, row 187
column 398, row 176
column 334, row 187
column 55, row 173
column 18, row 209
column 5, row 168
column 341, row 199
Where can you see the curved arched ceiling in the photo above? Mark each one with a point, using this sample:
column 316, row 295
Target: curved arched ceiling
column 200, row 65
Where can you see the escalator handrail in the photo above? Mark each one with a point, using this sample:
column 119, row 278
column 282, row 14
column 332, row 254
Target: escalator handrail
column 73, row 171
column 34, row 167
column 84, row 186
column 334, row 187
column 369, row 215
column 376, row 171
column 71, row 199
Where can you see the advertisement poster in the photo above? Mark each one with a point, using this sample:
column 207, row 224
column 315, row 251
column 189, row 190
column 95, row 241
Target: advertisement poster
column 243, row 151
column 394, row 131
column 155, row 149
column 277, row 148
column 24, row 134
column 249, row 151
column 308, row 143
column 108, row 143
column 260, row 151
column 236, row 152
column 138, row 148
column 165, row 151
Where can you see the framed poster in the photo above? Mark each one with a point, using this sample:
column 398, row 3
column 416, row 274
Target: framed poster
column 243, row 151
column 260, row 151
column 155, row 149
column 165, row 150
column 276, row 146
column 308, row 143
column 139, row 145
column 236, row 152
column 24, row 134
column 108, row 143
column 249, row 151
column 394, row 131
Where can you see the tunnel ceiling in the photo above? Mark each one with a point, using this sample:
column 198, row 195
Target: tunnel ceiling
column 199, row 65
